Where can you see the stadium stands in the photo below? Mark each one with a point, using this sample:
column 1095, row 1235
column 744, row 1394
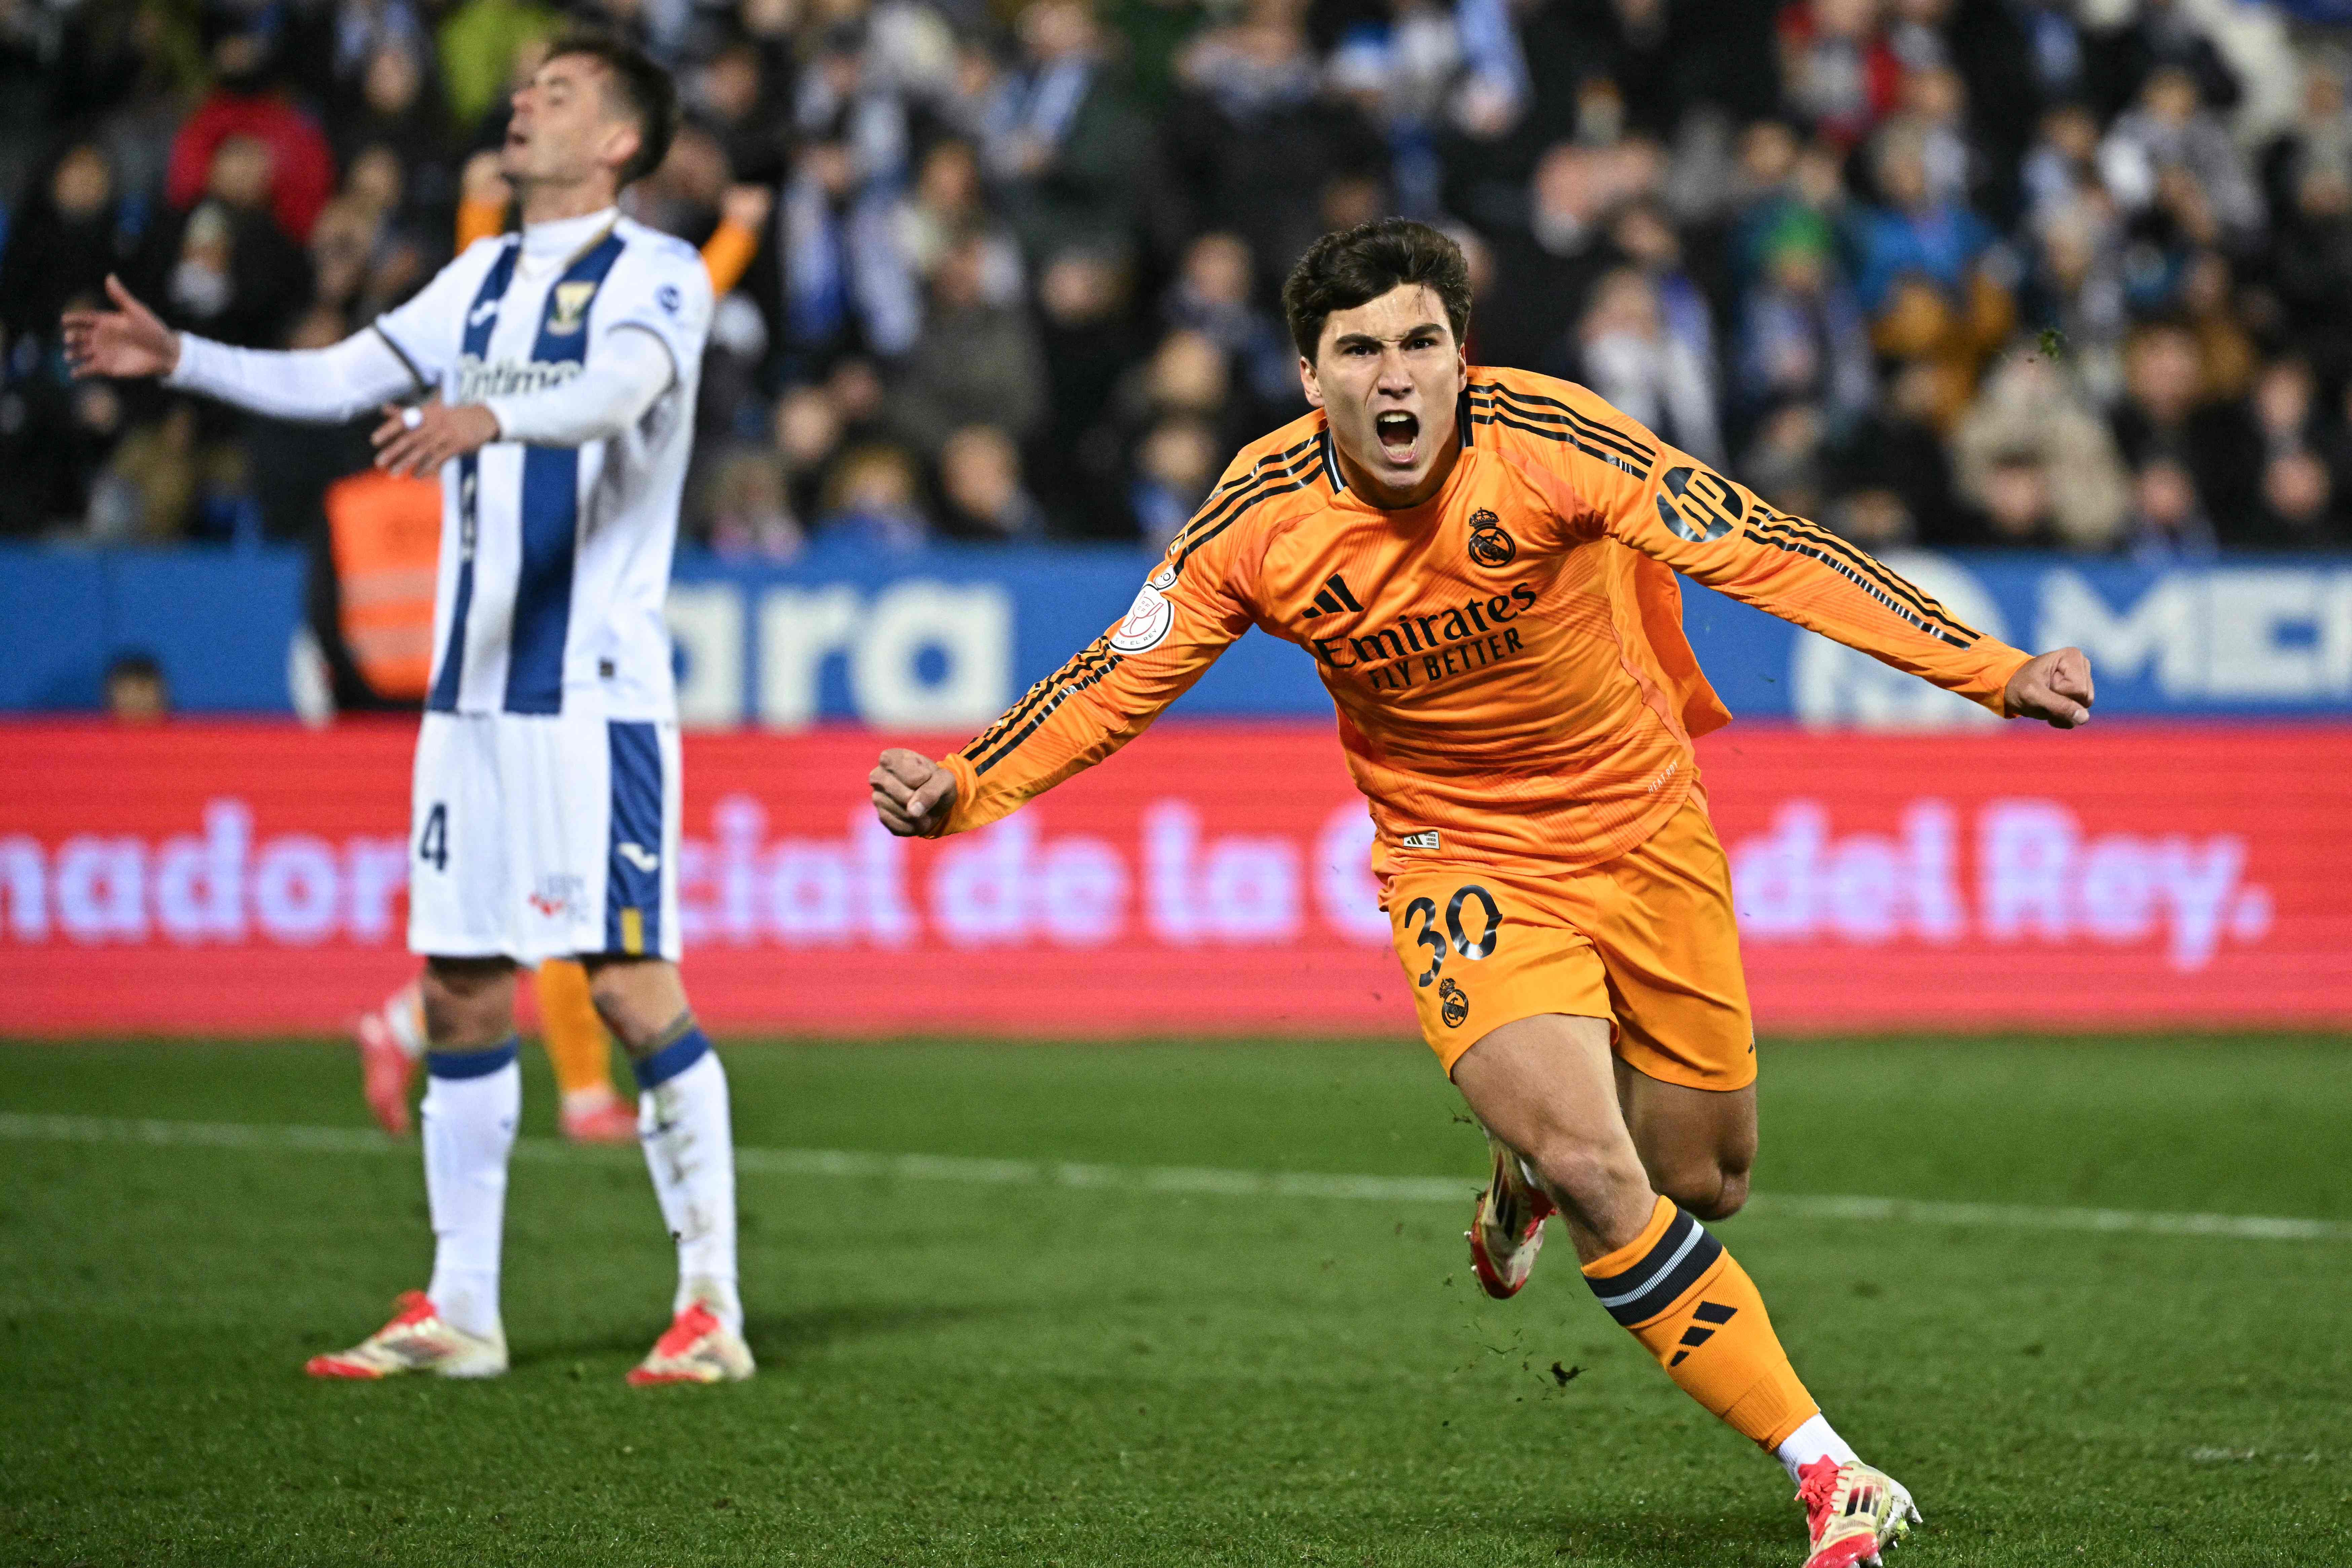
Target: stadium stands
column 1952, row 272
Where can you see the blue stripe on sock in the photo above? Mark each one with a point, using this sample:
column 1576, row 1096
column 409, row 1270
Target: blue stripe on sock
column 672, row 1059
column 472, row 1064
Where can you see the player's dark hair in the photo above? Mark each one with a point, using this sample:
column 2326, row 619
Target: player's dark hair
column 137, row 664
column 1351, row 267
column 640, row 87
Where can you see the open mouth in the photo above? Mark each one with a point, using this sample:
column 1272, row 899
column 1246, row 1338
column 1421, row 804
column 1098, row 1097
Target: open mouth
column 1400, row 435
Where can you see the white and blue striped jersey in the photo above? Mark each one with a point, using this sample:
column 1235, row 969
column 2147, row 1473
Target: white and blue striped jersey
column 555, row 561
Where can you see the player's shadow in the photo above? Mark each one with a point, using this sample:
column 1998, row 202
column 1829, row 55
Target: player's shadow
column 780, row 1335
column 1672, row 1542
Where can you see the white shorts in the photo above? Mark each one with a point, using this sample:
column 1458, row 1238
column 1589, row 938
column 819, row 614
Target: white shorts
column 542, row 837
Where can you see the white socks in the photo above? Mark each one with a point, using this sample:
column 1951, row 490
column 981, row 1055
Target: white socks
column 682, row 1118
column 1814, row 1440
column 471, row 1101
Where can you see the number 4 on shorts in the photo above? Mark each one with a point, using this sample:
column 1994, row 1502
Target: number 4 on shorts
column 432, row 844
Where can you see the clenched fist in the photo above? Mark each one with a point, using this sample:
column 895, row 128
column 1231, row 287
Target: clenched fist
column 2054, row 687
column 912, row 793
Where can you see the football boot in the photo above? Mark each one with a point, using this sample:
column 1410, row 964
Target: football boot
column 1507, row 1226
column 598, row 1115
column 385, row 1071
column 1852, row 1513
column 416, row 1339
column 696, row 1348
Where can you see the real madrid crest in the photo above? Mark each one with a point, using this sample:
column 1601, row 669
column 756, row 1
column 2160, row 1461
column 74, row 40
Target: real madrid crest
column 1490, row 546
column 571, row 307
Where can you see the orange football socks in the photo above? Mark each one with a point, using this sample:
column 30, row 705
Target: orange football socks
column 568, row 1025
column 1694, row 1308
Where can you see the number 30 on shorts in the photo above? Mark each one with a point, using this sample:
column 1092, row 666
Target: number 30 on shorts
column 1455, row 934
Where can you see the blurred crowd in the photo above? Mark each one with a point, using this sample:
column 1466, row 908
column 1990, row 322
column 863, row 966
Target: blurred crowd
column 2057, row 274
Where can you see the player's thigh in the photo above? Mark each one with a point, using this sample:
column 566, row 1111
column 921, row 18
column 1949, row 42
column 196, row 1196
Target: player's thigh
column 1480, row 952
column 1544, row 1086
column 461, row 893
column 1662, row 920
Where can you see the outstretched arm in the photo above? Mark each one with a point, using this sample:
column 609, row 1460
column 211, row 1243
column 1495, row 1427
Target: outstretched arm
column 1683, row 513
column 1187, row 614
column 330, row 384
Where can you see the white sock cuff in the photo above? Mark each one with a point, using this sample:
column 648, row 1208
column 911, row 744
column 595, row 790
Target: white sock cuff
column 1815, row 1440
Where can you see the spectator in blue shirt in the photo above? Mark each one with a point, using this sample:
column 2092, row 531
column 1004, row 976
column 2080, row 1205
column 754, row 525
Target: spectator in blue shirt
column 1913, row 232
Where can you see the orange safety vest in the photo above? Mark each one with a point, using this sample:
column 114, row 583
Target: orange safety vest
column 726, row 255
column 385, row 534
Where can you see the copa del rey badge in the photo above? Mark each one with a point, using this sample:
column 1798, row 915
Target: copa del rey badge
column 1148, row 618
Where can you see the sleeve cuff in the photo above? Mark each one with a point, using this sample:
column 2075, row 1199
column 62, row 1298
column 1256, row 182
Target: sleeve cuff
column 196, row 357
column 502, row 410
column 967, row 787
column 2003, row 668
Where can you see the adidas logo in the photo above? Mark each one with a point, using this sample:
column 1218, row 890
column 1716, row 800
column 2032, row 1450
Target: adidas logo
column 1332, row 598
column 1696, row 1336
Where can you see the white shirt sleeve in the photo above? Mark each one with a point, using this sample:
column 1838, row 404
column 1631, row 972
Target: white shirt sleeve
column 665, row 290
column 628, row 372
column 427, row 329
column 330, row 384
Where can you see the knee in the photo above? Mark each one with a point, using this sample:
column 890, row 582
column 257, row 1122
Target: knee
column 1710, row 1191
column 468, row 1002
column 638, row 1001
column 1584, row 1176
column 615, row 1005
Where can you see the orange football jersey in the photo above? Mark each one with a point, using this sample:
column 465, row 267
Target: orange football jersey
column 1508, row 659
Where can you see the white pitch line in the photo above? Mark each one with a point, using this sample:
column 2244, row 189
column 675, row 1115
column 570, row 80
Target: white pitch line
column 859, row 1165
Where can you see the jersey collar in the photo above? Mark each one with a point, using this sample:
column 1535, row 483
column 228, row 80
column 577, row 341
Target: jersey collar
column 566, row 239
column 1337, row 477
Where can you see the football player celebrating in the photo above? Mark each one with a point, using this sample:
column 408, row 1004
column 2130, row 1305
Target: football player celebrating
column 1482, row 565
column 556, row 370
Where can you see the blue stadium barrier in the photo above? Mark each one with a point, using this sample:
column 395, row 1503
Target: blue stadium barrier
column 948, row 637
column 220, row 622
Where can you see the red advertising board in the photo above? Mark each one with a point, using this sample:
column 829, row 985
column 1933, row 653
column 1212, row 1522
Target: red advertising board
column 248, row 879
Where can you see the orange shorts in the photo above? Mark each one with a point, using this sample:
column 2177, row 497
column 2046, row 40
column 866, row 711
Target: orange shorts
column 1647, row 940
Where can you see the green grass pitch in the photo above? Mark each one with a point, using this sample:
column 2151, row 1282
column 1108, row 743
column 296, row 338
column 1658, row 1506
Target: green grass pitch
column 957, row 1371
